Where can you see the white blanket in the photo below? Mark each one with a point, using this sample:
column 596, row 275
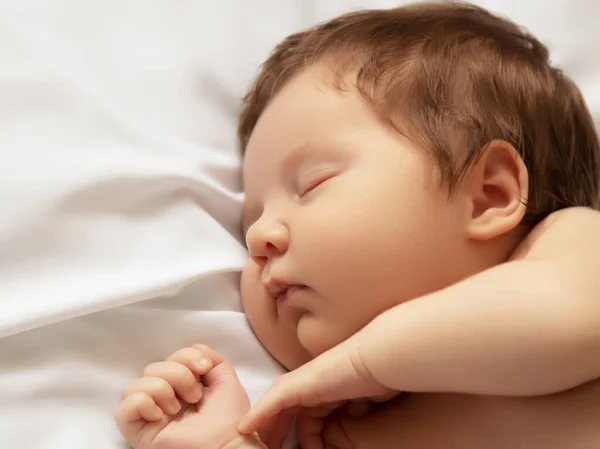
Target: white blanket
column 120, row 191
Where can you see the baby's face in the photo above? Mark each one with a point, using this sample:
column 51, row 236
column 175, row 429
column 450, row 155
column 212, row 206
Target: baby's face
column 345, row 218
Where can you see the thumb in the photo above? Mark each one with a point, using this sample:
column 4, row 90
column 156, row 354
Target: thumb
column 337, row 374
column 223, row 379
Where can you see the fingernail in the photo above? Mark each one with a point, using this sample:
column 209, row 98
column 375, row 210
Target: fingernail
column 204, row 363
column 174, row 407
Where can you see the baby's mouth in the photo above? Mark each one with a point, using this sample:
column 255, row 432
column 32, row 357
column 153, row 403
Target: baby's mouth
column 280, row 291
column 288, row 291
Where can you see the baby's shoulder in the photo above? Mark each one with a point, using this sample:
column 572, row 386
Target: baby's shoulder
column 560, row 232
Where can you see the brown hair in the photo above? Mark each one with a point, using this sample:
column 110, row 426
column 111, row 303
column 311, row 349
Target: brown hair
column 453, row 77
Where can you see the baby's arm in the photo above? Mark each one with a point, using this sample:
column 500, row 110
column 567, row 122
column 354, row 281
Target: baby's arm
column 527, row 327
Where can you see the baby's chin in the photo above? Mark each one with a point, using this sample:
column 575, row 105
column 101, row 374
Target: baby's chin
column 294, row 358
column 316, row 336
column 312, row 340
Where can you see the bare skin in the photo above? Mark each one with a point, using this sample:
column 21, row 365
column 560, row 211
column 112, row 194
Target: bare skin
column 429, row 297
column 567, row 420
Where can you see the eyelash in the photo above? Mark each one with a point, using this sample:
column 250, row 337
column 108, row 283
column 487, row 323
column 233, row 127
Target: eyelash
column 315, row 182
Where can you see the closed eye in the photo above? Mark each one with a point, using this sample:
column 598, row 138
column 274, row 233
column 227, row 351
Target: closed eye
column 313, row 182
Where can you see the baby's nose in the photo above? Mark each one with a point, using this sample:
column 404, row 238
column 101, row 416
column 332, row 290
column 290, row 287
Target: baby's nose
column 265, row 239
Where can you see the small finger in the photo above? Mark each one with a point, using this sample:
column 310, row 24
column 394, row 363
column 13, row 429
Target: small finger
column 193, row 357
column 223, row 376
column 159, row 390
column 179, row 377
column 136, row 407
column 206, row 351
column 255, row 420
column 309, row 431
column 356, row 409
column 221, row 370
column 133, row 413
column 278, row 398
column 335, row 431
column 273, row 433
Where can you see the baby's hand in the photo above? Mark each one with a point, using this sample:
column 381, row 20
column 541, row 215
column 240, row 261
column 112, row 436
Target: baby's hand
column 333, row 377
column 170, row 408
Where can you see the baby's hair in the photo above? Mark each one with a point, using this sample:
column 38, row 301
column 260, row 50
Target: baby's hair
column 452, row 77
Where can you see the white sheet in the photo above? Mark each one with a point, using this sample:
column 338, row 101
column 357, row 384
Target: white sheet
column 119, row 191
column 119, row 183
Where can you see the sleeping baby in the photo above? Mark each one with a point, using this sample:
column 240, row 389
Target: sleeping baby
column 419, row 181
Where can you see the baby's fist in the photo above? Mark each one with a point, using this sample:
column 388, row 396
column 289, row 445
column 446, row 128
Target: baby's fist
column 176, row 403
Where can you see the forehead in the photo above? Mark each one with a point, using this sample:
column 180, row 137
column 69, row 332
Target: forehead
column 308, row 111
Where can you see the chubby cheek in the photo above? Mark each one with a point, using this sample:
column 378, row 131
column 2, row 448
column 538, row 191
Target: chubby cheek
column 371, row 255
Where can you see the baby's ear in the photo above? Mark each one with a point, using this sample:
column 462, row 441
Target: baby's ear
column 497, row 187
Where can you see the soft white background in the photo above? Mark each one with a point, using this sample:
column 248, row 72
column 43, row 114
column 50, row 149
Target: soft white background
column 120, row 190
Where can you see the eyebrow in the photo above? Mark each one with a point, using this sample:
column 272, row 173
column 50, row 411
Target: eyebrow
column 295, row 155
